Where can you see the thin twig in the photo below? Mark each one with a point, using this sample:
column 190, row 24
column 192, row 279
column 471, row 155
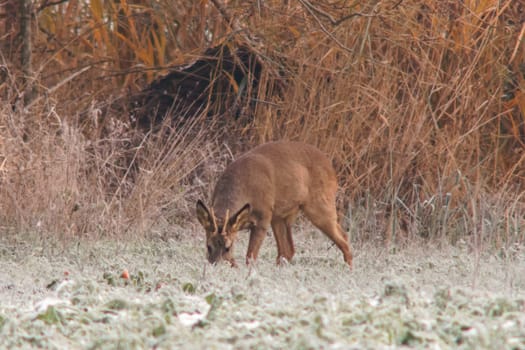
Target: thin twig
column 58, row 85
column 224, row 13
column 323, row 28
column 311, row 8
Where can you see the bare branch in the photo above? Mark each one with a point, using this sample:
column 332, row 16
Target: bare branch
column 48, row 3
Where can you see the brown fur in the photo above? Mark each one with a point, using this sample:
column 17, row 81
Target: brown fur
column 268, row 186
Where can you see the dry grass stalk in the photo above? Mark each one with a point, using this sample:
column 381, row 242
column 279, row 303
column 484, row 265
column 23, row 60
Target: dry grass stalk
column 419, row 103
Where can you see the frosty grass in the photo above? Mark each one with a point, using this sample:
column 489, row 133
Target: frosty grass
column 55, row 297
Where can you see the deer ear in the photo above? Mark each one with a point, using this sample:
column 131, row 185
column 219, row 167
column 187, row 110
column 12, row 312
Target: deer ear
column 240, row 218
column 205, row 218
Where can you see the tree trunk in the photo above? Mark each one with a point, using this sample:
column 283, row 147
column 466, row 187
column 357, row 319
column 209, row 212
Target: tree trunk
column 26, row 59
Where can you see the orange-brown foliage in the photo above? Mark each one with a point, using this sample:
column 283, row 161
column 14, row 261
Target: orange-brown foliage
column 421, row 104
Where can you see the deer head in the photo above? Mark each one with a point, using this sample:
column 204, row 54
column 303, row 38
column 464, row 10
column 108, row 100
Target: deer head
column 221, row 232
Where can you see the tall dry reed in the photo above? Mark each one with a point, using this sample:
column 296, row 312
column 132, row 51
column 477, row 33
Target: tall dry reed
column 419, row 103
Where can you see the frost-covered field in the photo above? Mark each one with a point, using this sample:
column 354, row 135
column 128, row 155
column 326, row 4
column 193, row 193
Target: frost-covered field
column 57, row 297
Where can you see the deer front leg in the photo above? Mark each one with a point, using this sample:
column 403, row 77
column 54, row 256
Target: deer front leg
column 257, row 235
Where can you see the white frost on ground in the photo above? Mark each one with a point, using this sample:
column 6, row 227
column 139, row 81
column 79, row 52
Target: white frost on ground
column 42, row 305
column 421, row 297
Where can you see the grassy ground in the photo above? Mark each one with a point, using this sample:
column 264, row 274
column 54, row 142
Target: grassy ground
column 420, row 105
column 56, row 296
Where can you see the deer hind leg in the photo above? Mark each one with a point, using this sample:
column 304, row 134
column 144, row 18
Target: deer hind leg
column 283, row 236
column 324, row 216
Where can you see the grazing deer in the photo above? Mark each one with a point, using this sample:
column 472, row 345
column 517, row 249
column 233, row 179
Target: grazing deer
column 265, row 187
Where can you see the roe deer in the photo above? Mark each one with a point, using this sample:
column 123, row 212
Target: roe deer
column 267, row 186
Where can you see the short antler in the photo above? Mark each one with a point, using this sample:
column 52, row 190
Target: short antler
column 226, row 221
column 216, row 229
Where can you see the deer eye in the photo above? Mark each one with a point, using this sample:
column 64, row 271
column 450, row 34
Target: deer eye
column 209, row 250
